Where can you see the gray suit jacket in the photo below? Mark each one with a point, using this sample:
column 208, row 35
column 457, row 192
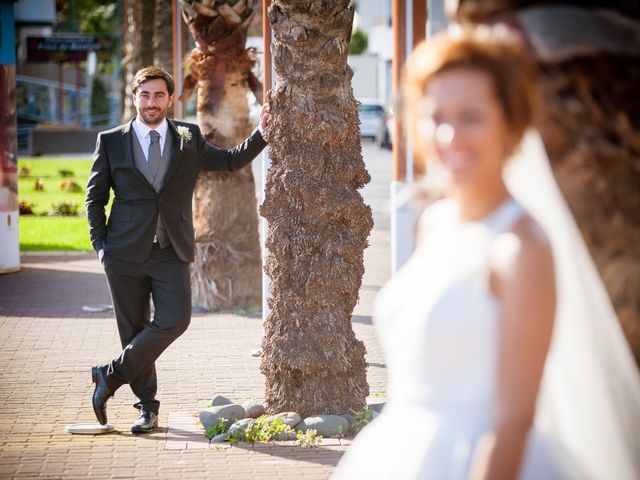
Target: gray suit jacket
column 128, row 234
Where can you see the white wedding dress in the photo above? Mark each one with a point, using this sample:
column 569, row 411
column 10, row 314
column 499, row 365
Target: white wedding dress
column 440, row 348
column 437, row 322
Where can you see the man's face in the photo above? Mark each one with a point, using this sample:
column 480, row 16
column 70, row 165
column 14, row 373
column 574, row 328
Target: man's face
column 152, row 100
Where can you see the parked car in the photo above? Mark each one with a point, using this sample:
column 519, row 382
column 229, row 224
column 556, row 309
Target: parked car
column 372, row 117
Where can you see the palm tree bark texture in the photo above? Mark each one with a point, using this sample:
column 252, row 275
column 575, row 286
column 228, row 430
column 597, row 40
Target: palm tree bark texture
column 227, row 268
column 318, row 222
column 592, row 133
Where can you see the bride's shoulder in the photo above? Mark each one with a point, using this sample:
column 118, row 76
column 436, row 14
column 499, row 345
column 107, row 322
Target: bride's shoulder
column 523, row 252
column 530, row 235
column 436, row 214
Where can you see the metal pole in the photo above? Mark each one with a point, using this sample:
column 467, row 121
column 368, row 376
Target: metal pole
column 398, row 24
column 9, row 211
column 408, row 139
column 60, row 93
column 267, row 66
column 266, row 45
column 78, row 80
column 409, row 24
column 419, row 21
column 177, row 58
column 416, row 31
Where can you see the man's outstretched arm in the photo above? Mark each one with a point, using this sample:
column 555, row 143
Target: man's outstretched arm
column 214, row 158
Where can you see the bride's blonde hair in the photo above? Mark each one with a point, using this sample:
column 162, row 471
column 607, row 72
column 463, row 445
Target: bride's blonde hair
column 490, row 50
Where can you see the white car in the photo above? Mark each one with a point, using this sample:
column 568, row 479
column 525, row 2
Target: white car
column 372, row 117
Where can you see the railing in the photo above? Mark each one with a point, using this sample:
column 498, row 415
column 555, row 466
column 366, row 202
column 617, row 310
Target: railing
column 39, row 101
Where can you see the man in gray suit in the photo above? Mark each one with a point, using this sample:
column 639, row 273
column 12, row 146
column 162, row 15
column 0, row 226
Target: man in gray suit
column 151, row 164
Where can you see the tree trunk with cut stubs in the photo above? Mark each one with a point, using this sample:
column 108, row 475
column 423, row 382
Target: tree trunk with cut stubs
column 226, row 272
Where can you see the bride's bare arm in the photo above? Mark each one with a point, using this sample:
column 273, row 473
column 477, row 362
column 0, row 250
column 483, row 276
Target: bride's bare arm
column 523, row 280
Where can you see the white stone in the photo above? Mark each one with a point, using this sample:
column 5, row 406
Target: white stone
column 325, row 425
column 212, row 415
column 218, row 400
column 254, row 410
column 288, row 418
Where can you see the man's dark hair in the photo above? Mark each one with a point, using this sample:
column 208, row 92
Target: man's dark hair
column 152, row 73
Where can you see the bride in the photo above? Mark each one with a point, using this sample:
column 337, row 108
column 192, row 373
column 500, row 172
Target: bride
column 505, row 358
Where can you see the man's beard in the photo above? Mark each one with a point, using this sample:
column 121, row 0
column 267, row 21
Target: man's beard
column 152, row 116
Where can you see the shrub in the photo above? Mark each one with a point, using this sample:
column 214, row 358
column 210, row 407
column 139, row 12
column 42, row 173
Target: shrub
column 363, row 418
column 100, row 107
column 24, row 171
column 66, row 209
column 261, row 430
column 38, row 185
column 25, row 208
column 70, row 186
column 63, row 172
column 309, row 438
column 217, row 429
column 359, row 42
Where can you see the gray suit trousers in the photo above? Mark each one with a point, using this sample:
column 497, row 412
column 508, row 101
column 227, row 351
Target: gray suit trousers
column 166, row 278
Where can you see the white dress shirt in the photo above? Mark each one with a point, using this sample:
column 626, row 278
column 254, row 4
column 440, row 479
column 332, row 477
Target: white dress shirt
column 142, row 132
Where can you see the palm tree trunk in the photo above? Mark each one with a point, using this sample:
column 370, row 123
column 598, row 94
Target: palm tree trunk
column 318, row 222
column 138, row 42
column 227, row 268
column 593, row 142
column 589, row 124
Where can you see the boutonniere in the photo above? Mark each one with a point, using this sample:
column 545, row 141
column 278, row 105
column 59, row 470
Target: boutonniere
column 184, row 134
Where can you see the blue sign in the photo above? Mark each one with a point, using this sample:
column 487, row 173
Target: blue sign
column 7, row 35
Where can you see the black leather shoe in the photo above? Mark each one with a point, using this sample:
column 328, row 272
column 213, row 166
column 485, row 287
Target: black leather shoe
column 145, row 423
column 101, row 394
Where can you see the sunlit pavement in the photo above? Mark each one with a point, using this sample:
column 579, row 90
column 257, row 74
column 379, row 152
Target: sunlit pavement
column 48, row 343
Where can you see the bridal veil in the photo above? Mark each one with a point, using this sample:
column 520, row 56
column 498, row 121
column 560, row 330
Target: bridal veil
column 589, row 400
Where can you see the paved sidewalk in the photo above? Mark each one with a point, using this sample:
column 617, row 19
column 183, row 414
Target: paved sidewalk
column 48, row 343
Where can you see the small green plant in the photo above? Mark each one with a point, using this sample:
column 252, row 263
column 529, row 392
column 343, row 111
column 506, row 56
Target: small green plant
column 216, row 429
column 363, row 417
column 24, row 171
column 309, row 438
column 38, row 185
column 261, row 430
column 64, row 173
column 70, row 186
column 25, row 208
column 66, row 209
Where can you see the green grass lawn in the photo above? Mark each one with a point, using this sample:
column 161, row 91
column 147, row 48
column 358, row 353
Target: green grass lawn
column 54, row 233
column 41, row 232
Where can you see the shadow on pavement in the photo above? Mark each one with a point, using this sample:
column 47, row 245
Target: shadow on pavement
column 320, row 455
column 54, row 285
